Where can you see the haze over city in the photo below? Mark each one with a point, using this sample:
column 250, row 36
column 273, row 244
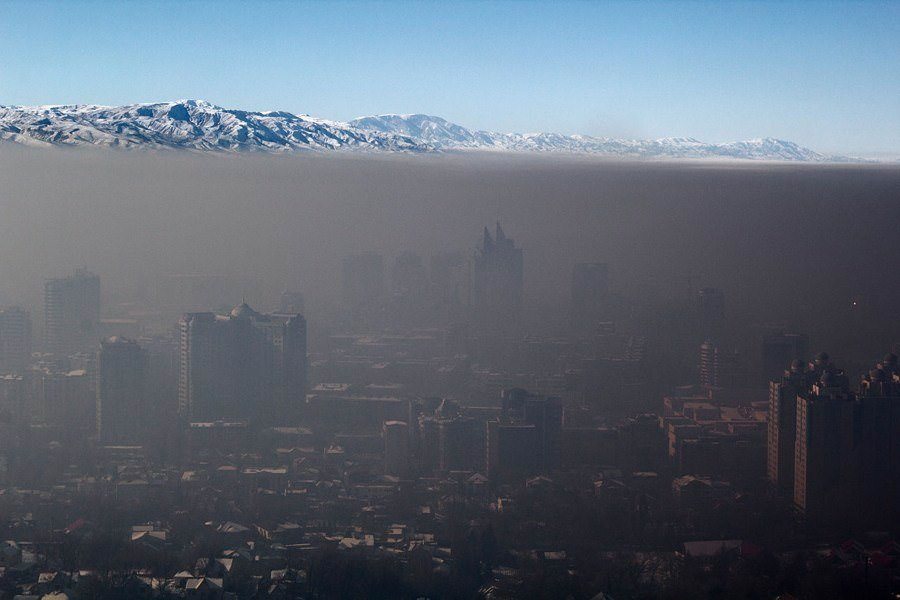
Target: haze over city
column 449, row 300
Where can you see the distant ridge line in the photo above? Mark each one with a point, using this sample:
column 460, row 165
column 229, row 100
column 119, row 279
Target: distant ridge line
column 198, row 125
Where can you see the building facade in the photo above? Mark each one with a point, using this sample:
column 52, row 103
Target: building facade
column 244, row 365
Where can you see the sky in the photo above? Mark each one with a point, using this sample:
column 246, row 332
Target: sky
column 825, row 75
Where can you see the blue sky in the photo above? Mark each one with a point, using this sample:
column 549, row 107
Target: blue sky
column 826, row 75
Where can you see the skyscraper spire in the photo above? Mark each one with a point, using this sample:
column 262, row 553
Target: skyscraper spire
column 487, row 242
column 500, row 235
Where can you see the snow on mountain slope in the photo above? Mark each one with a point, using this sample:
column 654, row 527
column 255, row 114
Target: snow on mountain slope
column 449, row 136
column 199, row 125
column 190, row 124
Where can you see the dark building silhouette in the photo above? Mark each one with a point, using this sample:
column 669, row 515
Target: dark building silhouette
column 121, row 393
column 824, row 443
column 244, row 365
column 497, row 278
column 877, row 433
column 72, row 312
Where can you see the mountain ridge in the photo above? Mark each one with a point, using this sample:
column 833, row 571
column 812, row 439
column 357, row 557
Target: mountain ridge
column 199, row 125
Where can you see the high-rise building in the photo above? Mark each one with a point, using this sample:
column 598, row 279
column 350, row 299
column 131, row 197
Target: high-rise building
column 15, row 340
column 396, row 448
column 121, row 393
column 244, row 365
column 72, row 312
column 846, row 456
column 719, row 367
column 878, row 440
column 782, row 425
column 590, row 295
column 824, row 443
column 497, row 279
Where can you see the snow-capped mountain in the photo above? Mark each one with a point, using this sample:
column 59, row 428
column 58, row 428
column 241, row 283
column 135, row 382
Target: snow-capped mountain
column 190, row 124
column 442, row 134
column 199, row 125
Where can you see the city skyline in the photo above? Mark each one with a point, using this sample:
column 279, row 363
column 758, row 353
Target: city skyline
column 816, row 73
column 252, row 355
